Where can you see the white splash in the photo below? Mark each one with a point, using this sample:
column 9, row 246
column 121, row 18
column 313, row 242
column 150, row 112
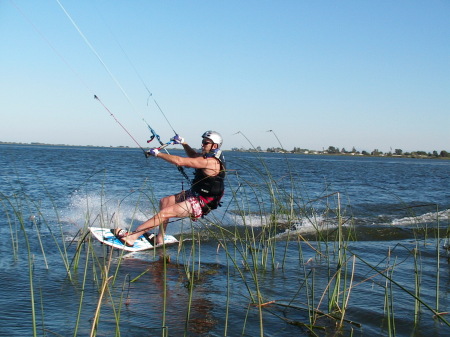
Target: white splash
column 424, row 218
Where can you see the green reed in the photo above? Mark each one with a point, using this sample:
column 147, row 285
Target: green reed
column 417, row 282
column 438, row 256
column 415, row 295
column 83, row 287
column 334, row 299
column 257, row 247
column 339, row 292
column 389, row 296
column 11, row 218
column 15, row 207
column 248, row 247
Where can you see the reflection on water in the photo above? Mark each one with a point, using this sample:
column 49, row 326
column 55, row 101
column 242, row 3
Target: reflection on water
column 146, row 295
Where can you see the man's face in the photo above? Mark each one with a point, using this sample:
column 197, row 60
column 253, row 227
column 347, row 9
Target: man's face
column 207, row 145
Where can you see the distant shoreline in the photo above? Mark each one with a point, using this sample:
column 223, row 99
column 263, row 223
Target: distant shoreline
column 66, row 145
column 306, row 152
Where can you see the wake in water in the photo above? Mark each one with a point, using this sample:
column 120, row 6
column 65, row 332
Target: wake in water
column 441, row 217
column 96, row 210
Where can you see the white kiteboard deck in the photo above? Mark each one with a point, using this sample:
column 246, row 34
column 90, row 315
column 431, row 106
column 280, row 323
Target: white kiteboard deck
column 144, row 242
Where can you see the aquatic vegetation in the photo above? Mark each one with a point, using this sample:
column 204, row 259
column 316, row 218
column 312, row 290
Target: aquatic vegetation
column 272, row 259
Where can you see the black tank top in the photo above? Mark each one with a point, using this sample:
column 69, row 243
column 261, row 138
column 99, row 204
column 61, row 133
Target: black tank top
column 210, row 186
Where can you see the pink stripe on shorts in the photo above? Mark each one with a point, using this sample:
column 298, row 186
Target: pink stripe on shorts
column 196, row 208
column 195, row 203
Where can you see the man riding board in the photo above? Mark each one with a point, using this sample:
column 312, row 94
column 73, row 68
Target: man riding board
column 204, row 195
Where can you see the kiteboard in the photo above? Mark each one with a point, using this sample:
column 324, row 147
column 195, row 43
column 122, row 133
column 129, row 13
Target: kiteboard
column 144, row 242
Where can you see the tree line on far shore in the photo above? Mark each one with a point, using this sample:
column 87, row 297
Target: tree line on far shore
column 343, row 151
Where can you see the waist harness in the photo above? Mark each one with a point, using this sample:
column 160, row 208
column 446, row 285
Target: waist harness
column 210, row 188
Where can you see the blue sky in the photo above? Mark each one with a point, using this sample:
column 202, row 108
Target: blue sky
column 363, row 74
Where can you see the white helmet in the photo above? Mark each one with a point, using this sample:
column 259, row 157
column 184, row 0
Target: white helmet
column 214, row 136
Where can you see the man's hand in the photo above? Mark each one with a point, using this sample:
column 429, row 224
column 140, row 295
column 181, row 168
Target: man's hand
column 177, row 139
column 152, row 152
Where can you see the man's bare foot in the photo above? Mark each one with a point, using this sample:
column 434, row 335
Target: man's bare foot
column 158, row 240
column 121, row 235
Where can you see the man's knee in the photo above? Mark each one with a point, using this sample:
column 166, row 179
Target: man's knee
column 164, row 202
column 160, row 217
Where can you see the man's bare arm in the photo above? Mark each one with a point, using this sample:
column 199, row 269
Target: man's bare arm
column 190, row 151
column 209, row 164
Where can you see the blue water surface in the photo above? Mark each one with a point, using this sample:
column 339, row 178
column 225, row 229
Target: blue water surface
column 49, row 194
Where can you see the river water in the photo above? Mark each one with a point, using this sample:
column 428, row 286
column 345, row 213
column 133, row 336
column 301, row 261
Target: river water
column 264, row 239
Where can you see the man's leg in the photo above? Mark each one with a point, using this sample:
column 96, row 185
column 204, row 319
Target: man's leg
column 181, row 209
column 164, row 203
column 173, row 210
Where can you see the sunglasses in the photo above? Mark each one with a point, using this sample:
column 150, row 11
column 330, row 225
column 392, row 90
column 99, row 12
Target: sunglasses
column 206, row 142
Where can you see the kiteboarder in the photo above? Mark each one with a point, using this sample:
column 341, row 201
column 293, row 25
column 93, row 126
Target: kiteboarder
column 204, row 195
